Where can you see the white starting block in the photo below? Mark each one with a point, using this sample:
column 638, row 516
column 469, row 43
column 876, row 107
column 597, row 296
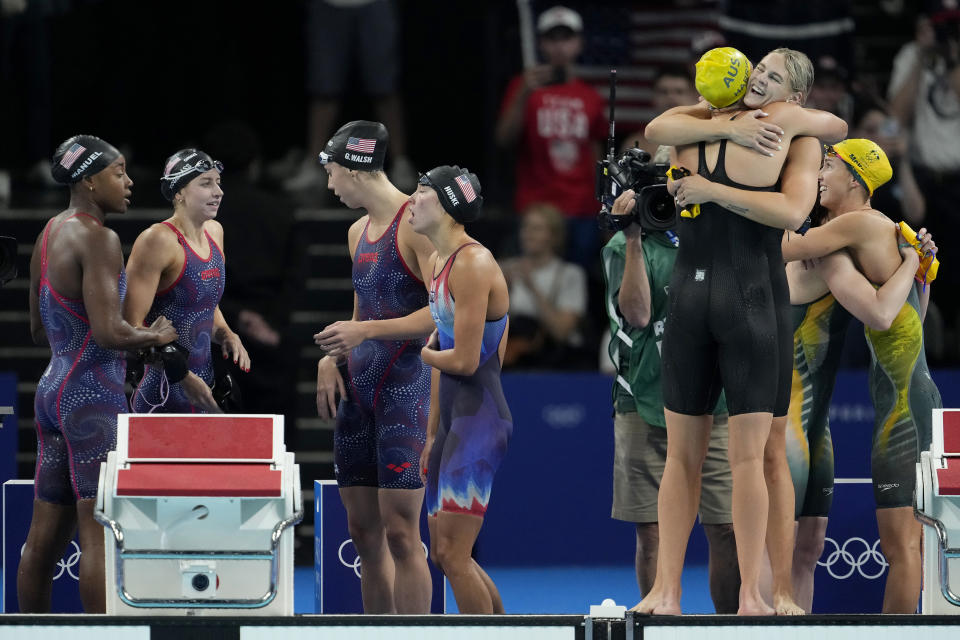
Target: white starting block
column 198, row 511
column 938, row 507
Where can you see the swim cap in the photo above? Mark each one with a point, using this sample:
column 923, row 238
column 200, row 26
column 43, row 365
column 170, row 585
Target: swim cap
column 360, row 145
column 458, row 190
column 722, row 75
column 184, row 166
column 81, row 156
column 866, row 160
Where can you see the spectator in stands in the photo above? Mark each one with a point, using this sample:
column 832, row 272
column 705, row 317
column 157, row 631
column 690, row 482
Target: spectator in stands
column 258, row 295
column 26, row 76
column 338, row 31
column 548, row 296
column 923, row 93
column 556, row 123
column 831, row 91
column 900, row 198
column 673, row 87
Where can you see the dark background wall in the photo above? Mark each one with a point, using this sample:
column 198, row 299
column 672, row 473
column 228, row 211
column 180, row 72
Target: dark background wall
column 154, row 76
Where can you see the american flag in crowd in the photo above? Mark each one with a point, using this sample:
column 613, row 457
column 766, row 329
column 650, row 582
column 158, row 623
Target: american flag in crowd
column 363, row 145
column 638, row 39
column 74, row 152
column 464, row 183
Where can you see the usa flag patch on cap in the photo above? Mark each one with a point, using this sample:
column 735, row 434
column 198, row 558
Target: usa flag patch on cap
column 464, row 183
column 363, row 145
column 75, row 151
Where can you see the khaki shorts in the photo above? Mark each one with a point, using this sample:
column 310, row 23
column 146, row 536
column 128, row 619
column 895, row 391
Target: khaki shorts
column 640, row 452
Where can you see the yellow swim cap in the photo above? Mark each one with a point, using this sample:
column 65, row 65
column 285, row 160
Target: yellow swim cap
column 866, row 159
column 722, row 75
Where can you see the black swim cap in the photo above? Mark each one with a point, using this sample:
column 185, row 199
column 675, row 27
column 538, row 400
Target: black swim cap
column 184, row 166
column 81, row 156
column 360, row 145
column 458, row 191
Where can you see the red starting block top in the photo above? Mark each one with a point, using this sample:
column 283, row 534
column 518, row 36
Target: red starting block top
column 198, row 479
column 201, row 436
column 951, row 432
column 948, row 480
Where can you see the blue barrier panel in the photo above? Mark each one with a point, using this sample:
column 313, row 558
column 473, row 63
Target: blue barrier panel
column 17, row 511
column 336, row 563
column 8, row 425
column 851, row 573
column 551, row 498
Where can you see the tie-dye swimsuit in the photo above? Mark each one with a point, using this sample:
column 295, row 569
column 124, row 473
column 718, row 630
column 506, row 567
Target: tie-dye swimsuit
column 475, row 421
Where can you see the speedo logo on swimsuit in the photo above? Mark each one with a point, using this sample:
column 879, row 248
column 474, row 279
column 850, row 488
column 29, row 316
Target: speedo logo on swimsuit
column 86, row 163
column 368, row 257
column 700, row 275
column 353, row 157
column 888, row 486
column 450, row 194
column 208, row 274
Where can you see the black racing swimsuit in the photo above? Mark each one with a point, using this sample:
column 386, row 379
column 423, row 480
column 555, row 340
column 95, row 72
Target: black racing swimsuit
column 728, row 325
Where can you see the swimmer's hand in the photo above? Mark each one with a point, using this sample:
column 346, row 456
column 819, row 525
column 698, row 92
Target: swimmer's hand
column 164, row 330
column 433, row 342
column 199, row 394
column 425, row 459
column 233, row 348
column 751, row 132
column 693, row 190
column 329, row 384
column 339, row 338
column 927, row 245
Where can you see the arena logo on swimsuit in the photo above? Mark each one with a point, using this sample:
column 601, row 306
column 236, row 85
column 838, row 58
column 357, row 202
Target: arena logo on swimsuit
column 208, row 274
column 368, row 257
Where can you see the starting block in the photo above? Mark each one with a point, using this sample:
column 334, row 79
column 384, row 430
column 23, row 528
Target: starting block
column 198, row 513
column 937, row 505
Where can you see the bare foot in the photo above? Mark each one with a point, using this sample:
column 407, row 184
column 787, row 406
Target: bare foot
column 784, row 605
column 755, row 607
column 657, row 605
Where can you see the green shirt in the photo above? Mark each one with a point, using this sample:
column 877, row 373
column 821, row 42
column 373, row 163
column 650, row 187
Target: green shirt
column 636, row 352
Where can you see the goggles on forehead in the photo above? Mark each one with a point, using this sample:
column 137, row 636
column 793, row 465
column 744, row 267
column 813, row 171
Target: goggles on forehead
column 200, row 166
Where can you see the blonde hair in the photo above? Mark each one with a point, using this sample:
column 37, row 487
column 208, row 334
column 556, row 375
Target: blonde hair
column 799, row 70
column 555, row 222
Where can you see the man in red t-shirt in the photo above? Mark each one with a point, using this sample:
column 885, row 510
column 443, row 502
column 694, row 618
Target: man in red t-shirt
column 557, row 124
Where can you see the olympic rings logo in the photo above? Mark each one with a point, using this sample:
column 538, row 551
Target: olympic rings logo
column 355, row 563
column 850, row 562
column 65, row 564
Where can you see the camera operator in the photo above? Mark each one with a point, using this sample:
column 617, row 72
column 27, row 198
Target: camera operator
column 637, row 264
column 924, row 96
